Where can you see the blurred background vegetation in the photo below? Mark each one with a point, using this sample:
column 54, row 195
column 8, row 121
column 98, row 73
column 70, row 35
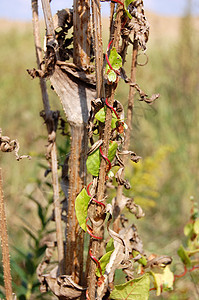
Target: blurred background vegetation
column 165, row 135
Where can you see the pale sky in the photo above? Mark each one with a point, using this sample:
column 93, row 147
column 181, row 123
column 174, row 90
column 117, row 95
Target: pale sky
column 21, row 9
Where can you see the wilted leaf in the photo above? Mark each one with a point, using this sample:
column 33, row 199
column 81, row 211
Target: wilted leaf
column 81, row 206
column 184, row 256
column 93, row 160
column 196, row 227
column 136, row 289
column 62, row 286
column 163, row 278
column 103, row 262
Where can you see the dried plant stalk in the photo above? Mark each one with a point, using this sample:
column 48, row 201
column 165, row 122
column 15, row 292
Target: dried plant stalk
column 51, row 131
column 79, row 140
column 4, row 245
column 129, row 120
column 77, row 175
column 98, row 47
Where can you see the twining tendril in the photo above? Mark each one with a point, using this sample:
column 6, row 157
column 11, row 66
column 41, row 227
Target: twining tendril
column 87, row 295
column 117, row 1
column 185, row 271
column 111, row 107
column 106, row 55
column 107, row 59
column 119, row 125
column 106, row 158
column 93, row 199
column 90, row 231
column 96, row 261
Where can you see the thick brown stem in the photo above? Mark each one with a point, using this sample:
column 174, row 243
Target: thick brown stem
column 98, row 47
column 50, row 128
column 129, row 120
column 4, row 245
column 82, row 36
column 77, row 175
column 77, row 160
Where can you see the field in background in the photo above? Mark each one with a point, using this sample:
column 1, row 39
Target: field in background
column 172, row 121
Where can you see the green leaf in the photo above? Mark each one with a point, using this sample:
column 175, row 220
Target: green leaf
column 81, row 207
column 142, row 260
column 163, row 278
column 115, row 60
column 104, row 260
column 127, row 2
column 30, row 266
column 28, row 231
column 188, row 229
column 112, row 76
column 40, row 251
column 112, row 150
column 136, row 289
column 110, row 245
column 128, row 14
column 93, row 163
column 20, row 252
column 184, row 256
column 100, row 115
column 93, row 160
column 196, row 227
column 19, row 271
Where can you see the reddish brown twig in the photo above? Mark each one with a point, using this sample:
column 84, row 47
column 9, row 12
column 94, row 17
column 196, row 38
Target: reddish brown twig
column 4, row 245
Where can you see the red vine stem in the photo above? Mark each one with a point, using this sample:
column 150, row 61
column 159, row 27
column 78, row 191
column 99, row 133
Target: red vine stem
column 117, row 1
column 111, row 107
column 181, row 275
column 97, row 262
column 90, row 231
column 106, row 55
column 88, row 192
column 87, row 295
column 93, row 199
column 105, row 157
column 194, row 268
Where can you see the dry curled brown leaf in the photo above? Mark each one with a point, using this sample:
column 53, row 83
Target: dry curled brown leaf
column 158, row 261
column 8, row 145
column 135, row 208
column 62, row 286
